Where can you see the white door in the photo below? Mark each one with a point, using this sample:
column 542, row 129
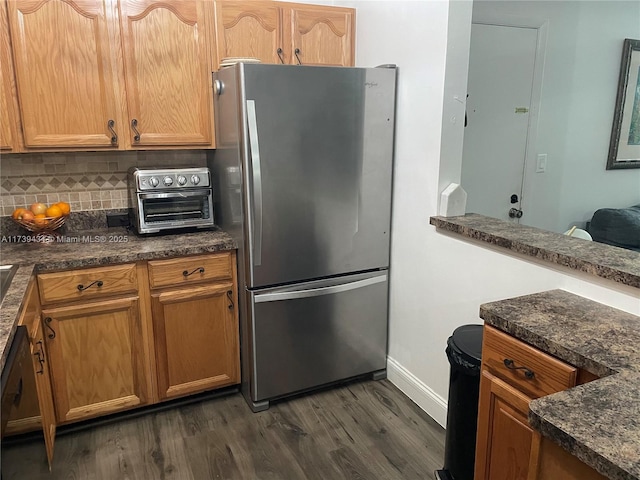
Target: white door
column 501, row 67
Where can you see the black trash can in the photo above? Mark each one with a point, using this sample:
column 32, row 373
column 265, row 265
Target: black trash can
column 464, row 351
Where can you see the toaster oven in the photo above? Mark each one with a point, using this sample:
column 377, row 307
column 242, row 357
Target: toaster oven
column 170, row 198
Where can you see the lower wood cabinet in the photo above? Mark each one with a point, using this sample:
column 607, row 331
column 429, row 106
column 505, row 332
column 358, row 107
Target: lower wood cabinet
column 196, row 339
column 109, row 339
column 195, row 323
column 45, row 394
column 550, row 461
column 97, row 358
column 507, row 447
column 36, row 409
column 513, row 373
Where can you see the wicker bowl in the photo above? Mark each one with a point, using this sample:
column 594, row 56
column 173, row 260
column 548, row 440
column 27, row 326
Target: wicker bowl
column 42, row 225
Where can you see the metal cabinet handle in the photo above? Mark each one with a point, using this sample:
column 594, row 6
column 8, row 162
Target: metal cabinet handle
column 114, row 135
column 47, row 322
column 230, row 297
column 134, row 124
column 40, row 356
column 280, row 55
column 297, row 51
column 186, row 273
column 98, row 283
column 510, row 364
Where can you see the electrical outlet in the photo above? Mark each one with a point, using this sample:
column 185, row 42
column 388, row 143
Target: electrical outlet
column 541, row 164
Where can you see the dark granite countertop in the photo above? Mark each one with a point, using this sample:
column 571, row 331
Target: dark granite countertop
column 598, row 422
column 606, row 261
column 99, row 246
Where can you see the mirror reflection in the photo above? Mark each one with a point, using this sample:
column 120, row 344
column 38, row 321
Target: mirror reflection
column 543, row 77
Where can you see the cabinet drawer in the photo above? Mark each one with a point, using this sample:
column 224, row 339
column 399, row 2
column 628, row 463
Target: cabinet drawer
column 187, row 270
column 547, row 374
column 89, row 283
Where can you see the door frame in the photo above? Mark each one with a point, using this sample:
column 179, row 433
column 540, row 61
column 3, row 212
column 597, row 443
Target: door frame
column 542, row 26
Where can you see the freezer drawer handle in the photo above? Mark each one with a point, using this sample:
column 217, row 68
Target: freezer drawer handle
column 316, row 292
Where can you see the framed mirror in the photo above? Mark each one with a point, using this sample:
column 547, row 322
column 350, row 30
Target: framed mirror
column 624, row 148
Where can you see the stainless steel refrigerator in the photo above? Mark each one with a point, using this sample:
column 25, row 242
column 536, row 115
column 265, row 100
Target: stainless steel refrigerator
column 302, row 180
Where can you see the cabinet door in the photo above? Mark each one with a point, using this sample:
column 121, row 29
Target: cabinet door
column 249, row 29
column 9, row 131
column 45, row 394
column 196, row 339
column 168, row 72
column 322, row 35
column 504, row 440
column 96, row 356
column 25, row 416
column 66, row 63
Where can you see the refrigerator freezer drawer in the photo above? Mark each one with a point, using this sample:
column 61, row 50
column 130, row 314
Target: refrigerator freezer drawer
column 318, row 333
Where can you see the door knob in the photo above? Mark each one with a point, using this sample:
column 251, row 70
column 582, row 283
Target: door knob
column 515, row 213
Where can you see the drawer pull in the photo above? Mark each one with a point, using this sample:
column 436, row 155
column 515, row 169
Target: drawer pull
column 99, row 283
column 297, row 52
column 40, row 356
column 187, row 273
column 510, row 364
column 280, row 55
column 47, row 321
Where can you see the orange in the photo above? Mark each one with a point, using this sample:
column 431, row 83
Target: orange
column 17, row 213
column 40, row 219
column 53, row 211
column 64, row 207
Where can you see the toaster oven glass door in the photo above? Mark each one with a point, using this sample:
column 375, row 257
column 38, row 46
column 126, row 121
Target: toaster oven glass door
column 176, row 209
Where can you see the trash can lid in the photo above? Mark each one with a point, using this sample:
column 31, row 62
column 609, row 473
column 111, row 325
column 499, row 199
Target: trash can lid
column 467, row 341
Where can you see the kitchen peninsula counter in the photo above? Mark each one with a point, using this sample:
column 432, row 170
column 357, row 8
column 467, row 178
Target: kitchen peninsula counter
column 599, row 259
column 598, row 422
column 97, row 247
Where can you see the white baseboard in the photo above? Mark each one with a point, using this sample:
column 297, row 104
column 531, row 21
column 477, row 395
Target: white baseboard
column 419, row 392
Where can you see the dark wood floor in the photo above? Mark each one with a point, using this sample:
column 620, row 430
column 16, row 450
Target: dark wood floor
column 363, row 430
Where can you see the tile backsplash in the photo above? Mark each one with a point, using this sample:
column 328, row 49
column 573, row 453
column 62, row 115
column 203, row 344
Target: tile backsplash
column 86, row 180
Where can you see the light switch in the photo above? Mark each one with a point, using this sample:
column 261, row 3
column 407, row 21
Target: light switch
column 541, row 165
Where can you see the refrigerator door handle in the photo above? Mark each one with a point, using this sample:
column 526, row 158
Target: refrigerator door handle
column 316, row 292
column 254, row 148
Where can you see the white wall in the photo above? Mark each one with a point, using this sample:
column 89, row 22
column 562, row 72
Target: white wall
column 439, row 281
column 579, row 85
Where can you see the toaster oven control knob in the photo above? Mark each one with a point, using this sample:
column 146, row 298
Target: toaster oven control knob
column 153, row 181
column 168, row 181
column 195, row 179
column 182, row 180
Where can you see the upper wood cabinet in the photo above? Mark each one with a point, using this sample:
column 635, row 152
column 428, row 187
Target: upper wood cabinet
column 249, row 29
column 290, row 33
column 168, row 72
column 322, row 35
column 9, row 131
column 67, row 72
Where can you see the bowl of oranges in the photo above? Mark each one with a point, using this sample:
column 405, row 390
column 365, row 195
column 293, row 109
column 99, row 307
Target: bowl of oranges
column 40, row 218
